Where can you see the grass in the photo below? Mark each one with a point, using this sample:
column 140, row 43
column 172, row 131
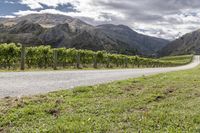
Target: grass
column 182, row 59
column 161, row 103
column 67, row 69
column 51, row 69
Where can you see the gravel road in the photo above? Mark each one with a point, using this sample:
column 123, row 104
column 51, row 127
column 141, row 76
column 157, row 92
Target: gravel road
column 17, row 84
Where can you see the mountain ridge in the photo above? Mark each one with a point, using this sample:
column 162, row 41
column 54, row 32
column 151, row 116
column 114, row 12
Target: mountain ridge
column 187, row 44
column 65, row 31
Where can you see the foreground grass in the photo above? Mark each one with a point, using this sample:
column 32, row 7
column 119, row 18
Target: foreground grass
column 161, row 103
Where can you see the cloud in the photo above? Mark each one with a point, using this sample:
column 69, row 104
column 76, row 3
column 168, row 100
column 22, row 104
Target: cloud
column 76, row 8
column 36, row 4
column 7, row 16
column 31, row 3
column 167, row 19
column 9, row 2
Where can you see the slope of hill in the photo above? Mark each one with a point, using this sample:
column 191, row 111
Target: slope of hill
column 187, row 44
column 65, row 31
column 145, row 44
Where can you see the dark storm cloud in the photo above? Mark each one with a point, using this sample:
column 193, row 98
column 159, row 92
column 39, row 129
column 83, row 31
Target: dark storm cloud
column 149, row 10
column 165, row 18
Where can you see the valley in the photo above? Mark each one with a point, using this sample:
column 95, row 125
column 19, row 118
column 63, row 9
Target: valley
column 61, row 74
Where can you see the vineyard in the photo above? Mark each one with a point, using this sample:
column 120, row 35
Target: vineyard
column 13, row 56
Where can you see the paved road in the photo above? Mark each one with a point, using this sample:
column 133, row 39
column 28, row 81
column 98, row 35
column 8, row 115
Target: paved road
column 16, row 84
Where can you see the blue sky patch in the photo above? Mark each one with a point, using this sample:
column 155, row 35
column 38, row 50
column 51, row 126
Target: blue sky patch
column 8, row 7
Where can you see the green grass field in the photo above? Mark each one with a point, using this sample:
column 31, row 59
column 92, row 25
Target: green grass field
column 160, row 103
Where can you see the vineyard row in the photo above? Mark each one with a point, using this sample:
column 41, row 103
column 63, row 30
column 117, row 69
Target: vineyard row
column 14, row 56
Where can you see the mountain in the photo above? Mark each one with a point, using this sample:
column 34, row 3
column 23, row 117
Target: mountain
column 61, row 35
column 145, row 44
column 65, row 31
column 187, row 44
column 46, row 20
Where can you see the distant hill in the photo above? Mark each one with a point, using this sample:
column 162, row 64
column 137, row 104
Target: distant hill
column 65, row 31
column 187, row 44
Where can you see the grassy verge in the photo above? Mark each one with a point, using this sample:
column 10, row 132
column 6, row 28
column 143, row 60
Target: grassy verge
column 183, row 59
column 67, row 69
column 160, row 103
column 51, row 69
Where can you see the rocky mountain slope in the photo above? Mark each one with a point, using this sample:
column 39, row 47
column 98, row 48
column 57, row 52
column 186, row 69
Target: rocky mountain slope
column 65, row 31
column 187, row 44
column 145, row 44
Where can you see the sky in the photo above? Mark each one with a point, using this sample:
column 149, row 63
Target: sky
column 167, row 19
